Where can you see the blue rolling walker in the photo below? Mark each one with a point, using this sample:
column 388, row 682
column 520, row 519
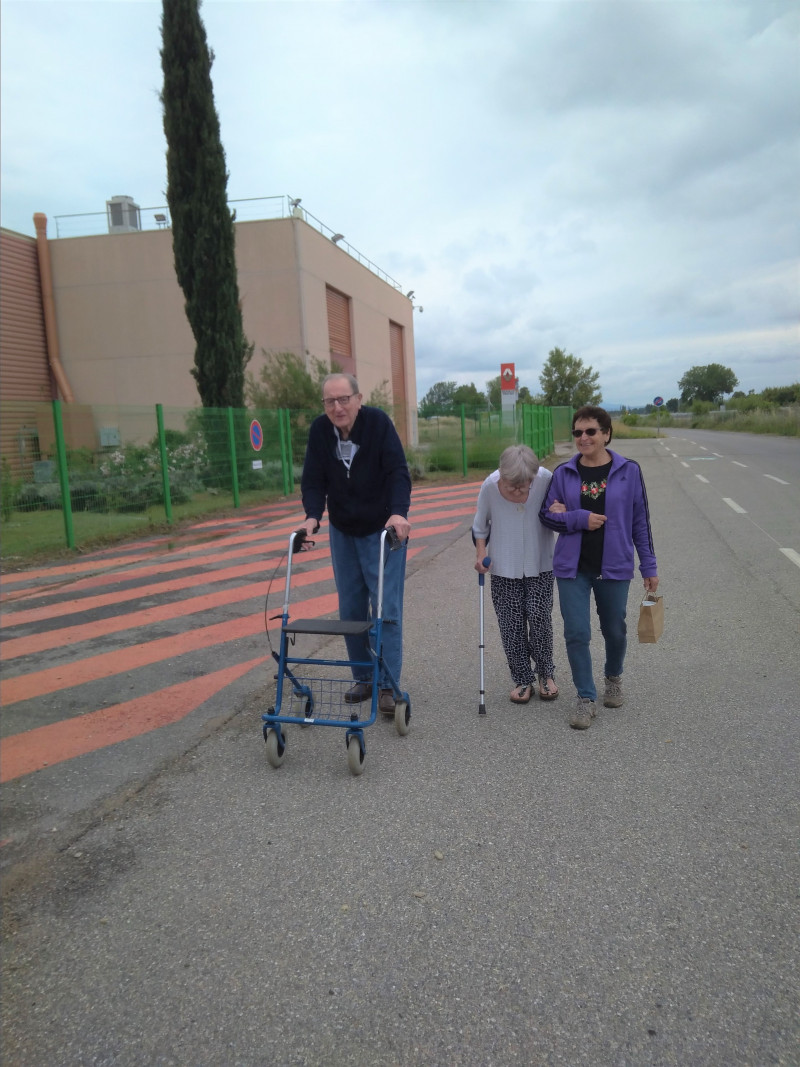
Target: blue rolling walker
column 315, row 701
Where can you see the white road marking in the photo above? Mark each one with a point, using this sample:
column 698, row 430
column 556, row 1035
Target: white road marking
column 684, row 464
column 732, row 504
column 700, row 478
column 792, row 555
column 718, row 455
column 739, row 464
column 774, row 479
column 704, row 448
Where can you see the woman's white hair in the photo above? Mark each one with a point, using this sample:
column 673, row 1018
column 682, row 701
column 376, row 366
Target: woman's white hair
column 518, row 465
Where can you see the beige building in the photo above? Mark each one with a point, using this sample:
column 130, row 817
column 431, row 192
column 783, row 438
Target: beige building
column 99, row 320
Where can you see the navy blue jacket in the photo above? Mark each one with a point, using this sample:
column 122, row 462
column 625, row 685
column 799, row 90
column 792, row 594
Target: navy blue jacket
column 377, row 485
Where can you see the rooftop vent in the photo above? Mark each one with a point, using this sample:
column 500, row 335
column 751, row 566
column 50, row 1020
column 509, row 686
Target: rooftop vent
column 123, row 215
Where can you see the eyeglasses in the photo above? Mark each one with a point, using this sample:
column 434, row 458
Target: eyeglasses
column 343, row 401
column 589, row 433
column 516, row 488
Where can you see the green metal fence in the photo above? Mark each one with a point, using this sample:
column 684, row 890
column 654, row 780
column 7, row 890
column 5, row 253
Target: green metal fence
column 83, row 474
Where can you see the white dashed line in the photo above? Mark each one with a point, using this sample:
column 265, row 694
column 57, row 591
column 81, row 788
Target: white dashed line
column 700, row 478
column 684, row 464
column 792, row 555
column 739, row 464
column 736, row 507
column 774, row 479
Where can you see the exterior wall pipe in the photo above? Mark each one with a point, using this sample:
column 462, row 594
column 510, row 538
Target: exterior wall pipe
column 49, row 308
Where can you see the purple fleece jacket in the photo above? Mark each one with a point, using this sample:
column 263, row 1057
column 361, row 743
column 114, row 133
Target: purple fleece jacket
column 627, row 520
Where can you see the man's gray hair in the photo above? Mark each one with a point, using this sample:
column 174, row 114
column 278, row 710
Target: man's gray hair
column 518, row 465
column 351, row 380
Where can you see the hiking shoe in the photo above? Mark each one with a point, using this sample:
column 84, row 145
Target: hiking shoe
column 386, row 702
column 613, row 697
column 360, row 691
column 583, row 714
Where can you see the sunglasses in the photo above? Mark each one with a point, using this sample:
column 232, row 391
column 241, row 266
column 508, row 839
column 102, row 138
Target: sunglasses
column 589, row 433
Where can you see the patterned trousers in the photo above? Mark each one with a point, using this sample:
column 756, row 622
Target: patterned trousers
column 524, row 608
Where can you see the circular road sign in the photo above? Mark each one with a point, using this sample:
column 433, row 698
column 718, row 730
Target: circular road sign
column 256, row 435
column 659, row 400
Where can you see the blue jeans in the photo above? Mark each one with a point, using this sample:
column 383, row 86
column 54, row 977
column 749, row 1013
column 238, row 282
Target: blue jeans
column 611, row 601
column 355, row 570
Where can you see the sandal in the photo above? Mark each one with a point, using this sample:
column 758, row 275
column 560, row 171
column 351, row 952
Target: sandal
column 548, row 692
column 521, row 694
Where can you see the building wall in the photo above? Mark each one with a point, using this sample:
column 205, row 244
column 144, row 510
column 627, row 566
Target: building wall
column 25, row 378
column 124, row 338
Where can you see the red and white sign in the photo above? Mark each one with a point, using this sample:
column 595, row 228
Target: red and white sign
column 508, row 377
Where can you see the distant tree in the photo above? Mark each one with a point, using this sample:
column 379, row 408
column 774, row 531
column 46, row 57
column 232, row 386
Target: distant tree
column 284, row 382
column 673, row 404
column 469, row 396
column 566, row 381
column 525, row 395
column 783, row 394
column 493, row 392
column 202, row 224
column 438, row 399
column 708, row 383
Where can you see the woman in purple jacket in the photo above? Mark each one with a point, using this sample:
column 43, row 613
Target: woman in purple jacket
column 597, row 504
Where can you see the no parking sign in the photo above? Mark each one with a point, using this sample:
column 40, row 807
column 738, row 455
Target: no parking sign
column 256, row 435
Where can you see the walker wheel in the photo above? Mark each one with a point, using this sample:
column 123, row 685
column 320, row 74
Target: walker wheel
column 402, row 716
column 275, row 750
column 355, row 755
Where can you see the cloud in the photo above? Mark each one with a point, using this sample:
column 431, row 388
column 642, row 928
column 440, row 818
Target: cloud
column 615, row 178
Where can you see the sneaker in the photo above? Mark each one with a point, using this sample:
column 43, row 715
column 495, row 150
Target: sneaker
column 583, row 714
column 360, row 691
column 613, row 697
column 386, row 702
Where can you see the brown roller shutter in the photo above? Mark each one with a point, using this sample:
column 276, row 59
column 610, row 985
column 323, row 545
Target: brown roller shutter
column 399, row 400
column 340, row 335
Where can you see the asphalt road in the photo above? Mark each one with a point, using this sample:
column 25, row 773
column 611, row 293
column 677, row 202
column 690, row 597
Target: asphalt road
column 492, row 890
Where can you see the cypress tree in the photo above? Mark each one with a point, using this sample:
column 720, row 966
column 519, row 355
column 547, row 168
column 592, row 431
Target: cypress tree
column 202, row 224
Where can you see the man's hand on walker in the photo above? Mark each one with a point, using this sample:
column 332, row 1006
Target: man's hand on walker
column 402, row 527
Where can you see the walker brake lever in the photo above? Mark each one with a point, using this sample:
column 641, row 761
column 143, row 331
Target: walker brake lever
column 302, row 542
column 394, row 540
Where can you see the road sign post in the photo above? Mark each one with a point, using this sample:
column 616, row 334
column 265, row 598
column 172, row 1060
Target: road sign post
column 658, row 401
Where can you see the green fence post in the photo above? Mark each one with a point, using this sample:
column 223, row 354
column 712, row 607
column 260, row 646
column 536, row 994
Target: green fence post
column 234, row 469
column 63, row 474
column 286, row 458
column 162, row 448
column 463, row 441
column 289, row 453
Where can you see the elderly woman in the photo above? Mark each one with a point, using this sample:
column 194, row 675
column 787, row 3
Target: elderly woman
column 521, row 568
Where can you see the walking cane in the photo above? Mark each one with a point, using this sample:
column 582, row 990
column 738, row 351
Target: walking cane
column 486, row 561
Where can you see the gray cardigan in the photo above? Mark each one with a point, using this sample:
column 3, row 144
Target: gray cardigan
column 519, row 545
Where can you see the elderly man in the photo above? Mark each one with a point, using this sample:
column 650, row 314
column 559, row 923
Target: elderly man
column 356, row 464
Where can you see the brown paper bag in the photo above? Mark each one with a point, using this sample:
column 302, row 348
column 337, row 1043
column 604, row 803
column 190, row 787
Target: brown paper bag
column 651, row 619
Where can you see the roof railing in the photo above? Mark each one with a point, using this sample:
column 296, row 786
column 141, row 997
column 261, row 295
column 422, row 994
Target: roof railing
column 250, row 209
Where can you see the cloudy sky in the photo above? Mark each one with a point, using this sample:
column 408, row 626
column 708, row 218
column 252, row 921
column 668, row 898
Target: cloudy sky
column 619, row 179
